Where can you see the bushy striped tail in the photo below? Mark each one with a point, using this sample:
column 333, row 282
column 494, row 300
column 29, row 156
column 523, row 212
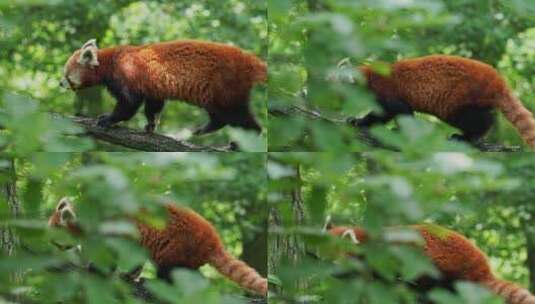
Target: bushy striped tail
column 520, row 117
column 239, row 272
column 512, row 293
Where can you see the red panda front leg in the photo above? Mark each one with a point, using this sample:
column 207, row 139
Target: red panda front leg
column 125, row 109
column 153, row 108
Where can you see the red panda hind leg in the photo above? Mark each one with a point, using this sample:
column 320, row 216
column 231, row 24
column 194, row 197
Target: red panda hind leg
column 473, row 121
column 214, row 124
column 153, row 108
column 391, row 109
column 164, row 273
column 236, row 116
column 241, row 116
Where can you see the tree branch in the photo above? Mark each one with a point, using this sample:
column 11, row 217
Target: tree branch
column 139, row 140
column 364, row 136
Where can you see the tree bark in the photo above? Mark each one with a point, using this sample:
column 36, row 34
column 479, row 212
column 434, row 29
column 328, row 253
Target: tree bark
column 8, row 192
column 8, row 196
column 287, row 247
column 139, row 140
column 255, row 248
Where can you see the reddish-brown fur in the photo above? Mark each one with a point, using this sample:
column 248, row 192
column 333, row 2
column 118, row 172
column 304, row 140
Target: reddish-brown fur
column 188, row 240
column 214, row 76
column 202, row 73
column 447, row 87
column 457, row 259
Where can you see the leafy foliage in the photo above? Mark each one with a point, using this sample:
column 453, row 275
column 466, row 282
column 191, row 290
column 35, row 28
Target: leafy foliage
column 109, row 189
column 482, row 197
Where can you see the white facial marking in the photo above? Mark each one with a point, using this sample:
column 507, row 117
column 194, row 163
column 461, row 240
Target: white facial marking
column 71, row 78
column 75, row 77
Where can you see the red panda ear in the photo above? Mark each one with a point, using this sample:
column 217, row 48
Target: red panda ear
column 90, row 43
column 350, row 234
column 63, row 202
column 88, row 54
column 61, row 205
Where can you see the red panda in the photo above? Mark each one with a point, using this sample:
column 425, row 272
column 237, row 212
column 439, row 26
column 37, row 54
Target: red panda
column 188, row 240
column 455, row 257
column 213, row 76
column 461, row 92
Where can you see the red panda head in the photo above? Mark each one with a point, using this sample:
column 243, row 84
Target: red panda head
column 80, row 70
column 64, row 215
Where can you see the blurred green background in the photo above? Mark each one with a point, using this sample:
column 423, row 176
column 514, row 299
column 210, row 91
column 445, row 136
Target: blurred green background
column 37, row 37
column 308, row 40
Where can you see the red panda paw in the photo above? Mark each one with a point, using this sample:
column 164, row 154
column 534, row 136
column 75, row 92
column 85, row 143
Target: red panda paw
column 150, row 127
column 460, row 138
column 104, row 121
column 352, row 121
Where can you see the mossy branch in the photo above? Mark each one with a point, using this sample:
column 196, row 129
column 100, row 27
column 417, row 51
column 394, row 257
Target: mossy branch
column 364, row 136
column 138, row 139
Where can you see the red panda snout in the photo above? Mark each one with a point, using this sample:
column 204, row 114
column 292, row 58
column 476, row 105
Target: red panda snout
column 72, row 74
column 64, row 83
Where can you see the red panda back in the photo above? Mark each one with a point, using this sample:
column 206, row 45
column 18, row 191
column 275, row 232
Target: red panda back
column 454, row 255
column 440, row 85
column 447, row 87
column 190, row 241
column 202, row 73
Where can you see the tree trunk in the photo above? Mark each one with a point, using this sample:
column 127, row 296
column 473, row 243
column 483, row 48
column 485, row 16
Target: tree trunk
column 286, row 247
column 8, row 197
column 255, row 248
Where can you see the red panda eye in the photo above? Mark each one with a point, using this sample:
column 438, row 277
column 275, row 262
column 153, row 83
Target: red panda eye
column 61, row 206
